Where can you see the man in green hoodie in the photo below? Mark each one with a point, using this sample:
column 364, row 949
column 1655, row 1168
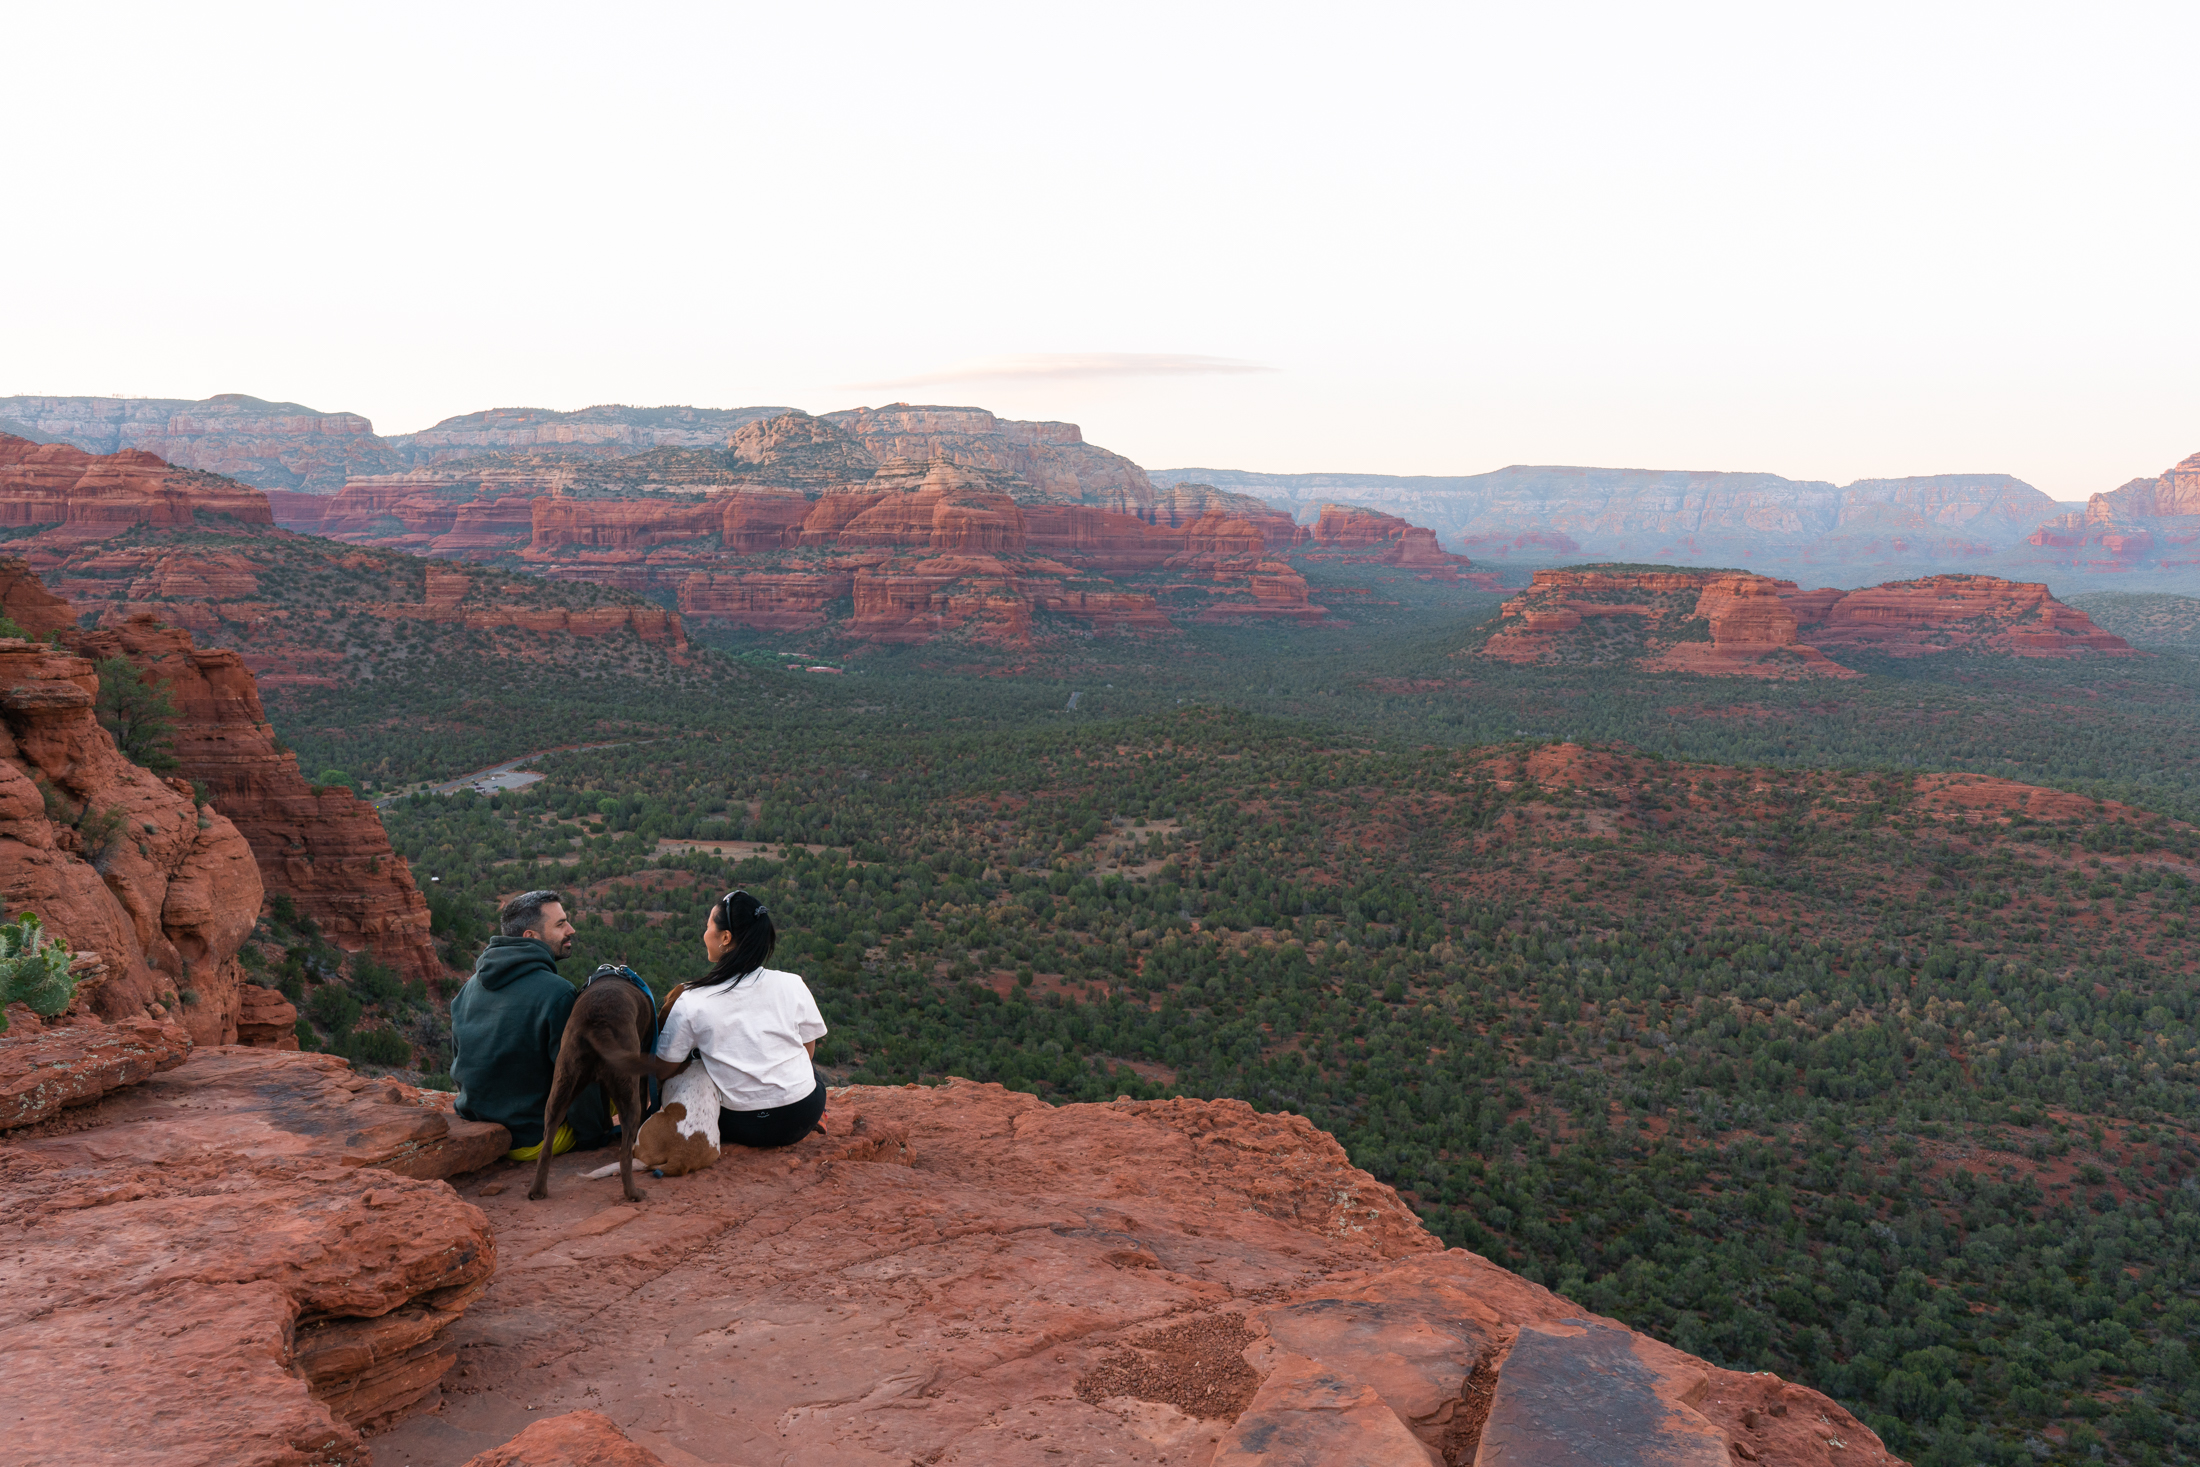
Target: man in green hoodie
column 507, row 1024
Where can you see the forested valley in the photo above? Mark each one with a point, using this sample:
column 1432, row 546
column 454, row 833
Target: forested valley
column 1843, row 1030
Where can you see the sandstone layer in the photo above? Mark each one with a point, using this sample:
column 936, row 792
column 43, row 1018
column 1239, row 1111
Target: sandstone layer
column 919, row 550
column 73, row 495
column 967, row 1275
column 240, row 1262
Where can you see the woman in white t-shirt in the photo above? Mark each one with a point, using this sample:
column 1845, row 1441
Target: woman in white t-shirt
column 756, row 1029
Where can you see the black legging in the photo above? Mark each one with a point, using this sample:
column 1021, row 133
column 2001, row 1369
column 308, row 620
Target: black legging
column 781, row 1126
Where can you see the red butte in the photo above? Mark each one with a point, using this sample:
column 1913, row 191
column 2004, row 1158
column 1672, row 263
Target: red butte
column 1352, row 531
column 1748, row 625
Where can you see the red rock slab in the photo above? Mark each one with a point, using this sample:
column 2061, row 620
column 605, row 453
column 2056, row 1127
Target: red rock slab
column 148, row 1312
column 575, row 1439
column 205, row 1271
column 956, row 1297
column 1579, row 1395
column 43, row 1071
column 260, row 1107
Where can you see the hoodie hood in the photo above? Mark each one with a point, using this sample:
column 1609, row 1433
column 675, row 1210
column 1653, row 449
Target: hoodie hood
column 507, row 959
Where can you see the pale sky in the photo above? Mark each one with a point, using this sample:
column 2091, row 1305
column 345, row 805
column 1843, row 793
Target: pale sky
column 1828, row 241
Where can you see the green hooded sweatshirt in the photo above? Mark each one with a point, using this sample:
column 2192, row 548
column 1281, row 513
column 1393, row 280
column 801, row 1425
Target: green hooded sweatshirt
column 506, row 1026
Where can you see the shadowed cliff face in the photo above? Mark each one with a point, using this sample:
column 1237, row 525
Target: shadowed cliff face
column 1733, row 622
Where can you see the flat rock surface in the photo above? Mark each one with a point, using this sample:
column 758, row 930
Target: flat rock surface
column 214, row 1267
column 262, row 1106
column 965, row 1275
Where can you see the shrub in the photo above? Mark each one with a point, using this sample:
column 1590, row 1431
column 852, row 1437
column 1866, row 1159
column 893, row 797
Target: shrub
column 334, row 777
column 379, row 1047
column 335, row 1009
column 376, row 981
column 33, row 970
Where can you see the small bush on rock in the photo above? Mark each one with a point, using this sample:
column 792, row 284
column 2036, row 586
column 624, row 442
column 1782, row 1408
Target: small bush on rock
column 33, row 970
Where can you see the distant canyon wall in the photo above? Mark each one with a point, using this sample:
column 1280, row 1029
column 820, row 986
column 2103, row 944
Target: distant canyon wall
column 1857, row 532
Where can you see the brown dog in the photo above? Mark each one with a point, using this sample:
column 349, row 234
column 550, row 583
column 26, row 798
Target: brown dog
column 603, row 1042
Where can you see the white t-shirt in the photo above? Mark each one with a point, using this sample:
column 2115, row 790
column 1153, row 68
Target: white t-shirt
column 751, row 1035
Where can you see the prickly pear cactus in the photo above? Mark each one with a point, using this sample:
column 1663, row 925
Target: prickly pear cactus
column 33, row 970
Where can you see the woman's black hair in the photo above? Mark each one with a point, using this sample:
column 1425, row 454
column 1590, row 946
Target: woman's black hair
column 754, row 937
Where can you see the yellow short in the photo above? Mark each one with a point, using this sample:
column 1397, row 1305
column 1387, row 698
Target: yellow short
column 559, row 1144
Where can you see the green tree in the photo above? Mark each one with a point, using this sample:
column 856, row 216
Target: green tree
column 138, row 712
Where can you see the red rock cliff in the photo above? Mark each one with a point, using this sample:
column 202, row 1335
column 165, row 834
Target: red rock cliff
column 324, row 847
column 119, row 862
column 83, row 496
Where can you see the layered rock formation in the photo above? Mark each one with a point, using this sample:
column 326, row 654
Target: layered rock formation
column 322, row 845
column 607, row 431
column 125, row 534
column 918, row 549
column 243, row 1260
column 1733, row 622
column 2147, row 524
column 965, row 1274
column 1181, row 504
column 72, row 495
column 271, row 445
column 285, row 446
column 1051, row 457
column 122, row 865
column 1350, row 530
column 1941, row 613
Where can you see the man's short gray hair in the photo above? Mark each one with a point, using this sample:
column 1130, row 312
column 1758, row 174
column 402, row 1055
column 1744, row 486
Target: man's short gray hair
column 523, row 913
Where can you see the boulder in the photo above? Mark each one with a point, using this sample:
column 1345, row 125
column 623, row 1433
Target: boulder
column 573, row 1439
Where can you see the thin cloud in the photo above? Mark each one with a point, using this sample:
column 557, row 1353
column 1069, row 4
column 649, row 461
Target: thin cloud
column 1070, row 367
